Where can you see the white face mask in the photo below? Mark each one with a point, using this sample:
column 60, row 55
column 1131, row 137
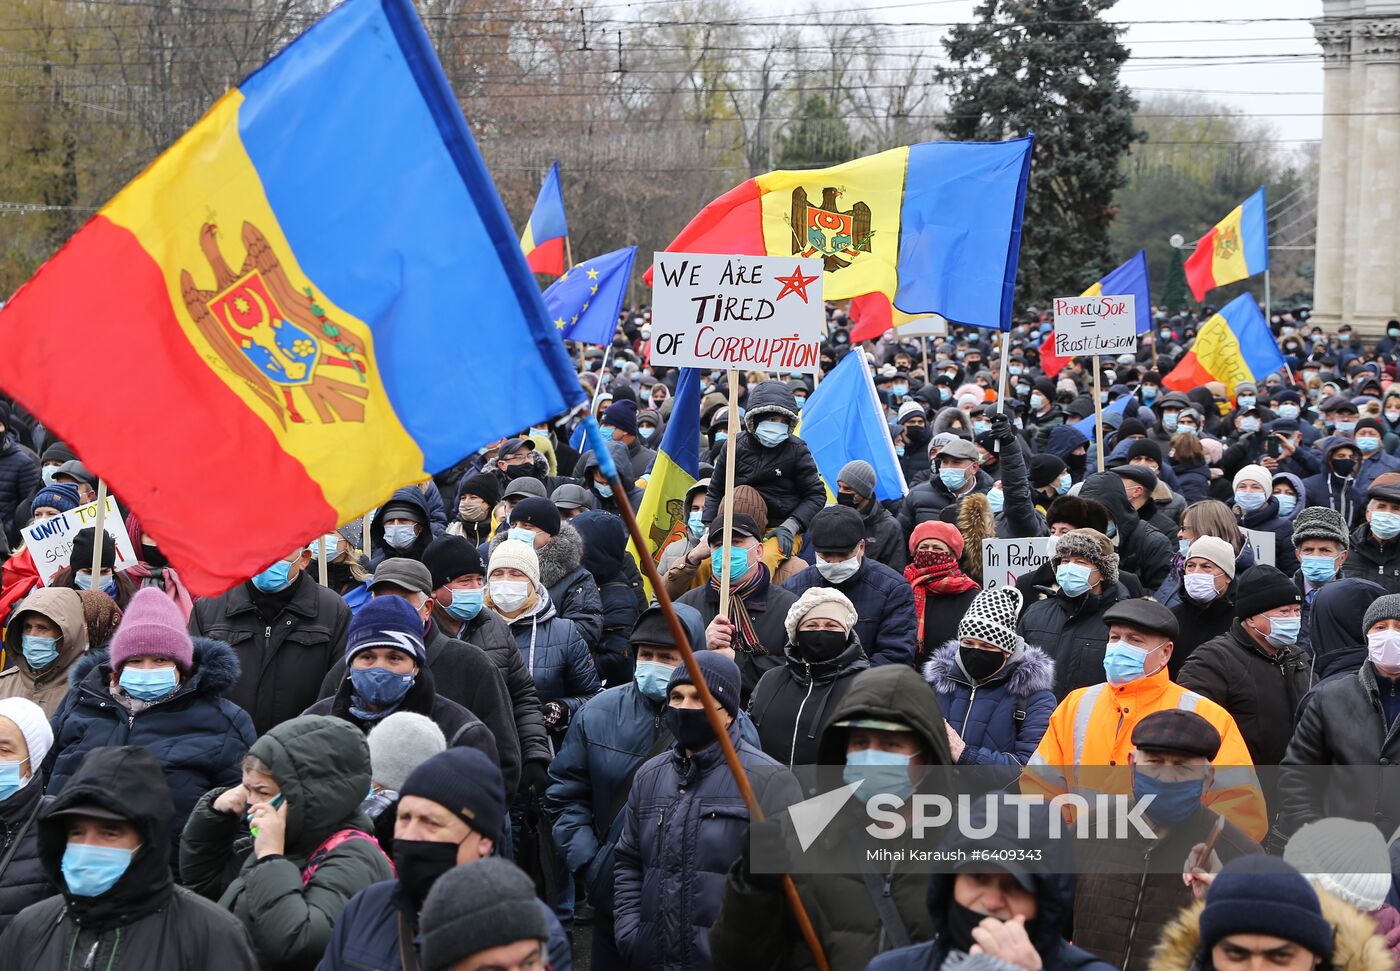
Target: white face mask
column 1200, row 587
column 840, row 571
column 1383, row 646
column 509, row 595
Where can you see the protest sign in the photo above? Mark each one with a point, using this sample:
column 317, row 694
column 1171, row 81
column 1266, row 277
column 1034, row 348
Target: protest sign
column 1095, row 325
column 1005, row 560
column 51, row 541
column 932, row 325
column 1262, row 542
column 760, row 313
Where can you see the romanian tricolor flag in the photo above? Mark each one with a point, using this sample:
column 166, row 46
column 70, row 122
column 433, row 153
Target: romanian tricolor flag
column 1234, row 345
column 662, row 513
column 312, row 298
column 1129, row 278
column 1237, row 248
column 935, row 227
column 545, row 233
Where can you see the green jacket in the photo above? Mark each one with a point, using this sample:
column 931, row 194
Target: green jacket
column 322, row 767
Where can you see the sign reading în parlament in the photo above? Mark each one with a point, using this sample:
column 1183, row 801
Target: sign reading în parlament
column 1006, row 560
column 761, row 313
column 1095, row 325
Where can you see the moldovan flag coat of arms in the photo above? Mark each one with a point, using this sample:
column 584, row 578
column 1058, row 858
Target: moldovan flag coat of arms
column 312, row 298
column 935, row 227
column 1235, row 248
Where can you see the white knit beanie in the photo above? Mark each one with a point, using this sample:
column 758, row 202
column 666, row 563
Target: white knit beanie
column 399, row 743
column 29, row 718
column 836, row 603
column 1345, row 857
column 1257, row 474
column 516, row 555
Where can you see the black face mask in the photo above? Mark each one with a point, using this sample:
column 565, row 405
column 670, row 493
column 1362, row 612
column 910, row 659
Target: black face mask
column 961, row 921
column 916, row 434
column 687, row 726
column 419, row 863
column 979, row 665
column 1075, row 463
column 514, row 472
column 817, row 646
column 846, row 499
column 1343, row 467
column 154, row 557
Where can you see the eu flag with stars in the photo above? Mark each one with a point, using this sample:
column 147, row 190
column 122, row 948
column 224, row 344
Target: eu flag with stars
column 584, row 303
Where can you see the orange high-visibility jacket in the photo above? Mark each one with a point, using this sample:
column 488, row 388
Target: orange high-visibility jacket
column 1093, row 727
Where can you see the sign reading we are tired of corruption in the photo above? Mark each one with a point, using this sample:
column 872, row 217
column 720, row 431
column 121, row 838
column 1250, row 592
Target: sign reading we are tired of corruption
column 760, row 313
column 1095, row 325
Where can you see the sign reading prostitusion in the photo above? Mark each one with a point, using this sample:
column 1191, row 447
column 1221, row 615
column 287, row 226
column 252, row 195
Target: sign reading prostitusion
column 761, row 313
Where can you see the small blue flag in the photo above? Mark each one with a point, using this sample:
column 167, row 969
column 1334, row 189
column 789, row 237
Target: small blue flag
column 585, row 302
column 843, row 420
column 1086, row 426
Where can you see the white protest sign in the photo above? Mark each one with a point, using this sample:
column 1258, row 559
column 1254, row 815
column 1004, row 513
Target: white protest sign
column 933, row 325
column 1006, row 560
column 760, row 313
column 51, row 541
column 1262, row 541
column 1095, row 325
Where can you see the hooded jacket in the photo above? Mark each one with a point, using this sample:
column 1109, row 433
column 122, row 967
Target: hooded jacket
column 1266, row 519
column 197, row 735
column 1142, row 550
column 571, row 587
column 555, row 654
column 1329, row 489
column 1334, row 625
column 322, row 767
column 47, row 686
column 884, row 602
column 620, row 602
column 1003, row 719
column 755, row 928
column 884, row 540
column 413, row 496
column 626, row 473
column 23, row 880
column 144, row 921
column 790, row 703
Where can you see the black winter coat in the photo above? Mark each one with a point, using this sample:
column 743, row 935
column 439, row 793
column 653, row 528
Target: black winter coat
column 1199, row 623
column 884, row 540
column 887, row 627
column 1073, row 632
column 19, row 480
column 23, row 880
column 415, row 497
column 928, row 499
column 1371, row 559
column 1142, row 550
column 1266, row 519
column 489, row 631
column 605, row 558
column 571, row 588
column 790, row 703
column 786, row 477
column 285, row 642
column 1260, row 691
column 768, row 622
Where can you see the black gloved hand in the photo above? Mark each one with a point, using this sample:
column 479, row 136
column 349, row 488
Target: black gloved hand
column 556, row 716
column 1002, row 429
column 786, row 539
column 534, row 777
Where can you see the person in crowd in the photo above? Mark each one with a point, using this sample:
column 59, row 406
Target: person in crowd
column 619, row 423
column 942, row 592
column 1064, row 514
column 692, row 570
column 1050, row 479
column 1335, row 620
column 755, row 631
column 1141, row 549
column 344, row 572
column 1255, row 670
column 1206, row 608
column 397, row 745
column 1291, row 495
column 477, row 496
column 19, row 479
column 555, row 652
column 600, row 487
column 25, row 739
column 155, row 687
column 681, row 870
column 679, row 548
column 884, row 541
column 288, row 846
column 956, row 475
column 44, row 639
column 104, row 845
column 1320, row 541
column 152, row 569
column 1375, row 550
column 560, row 549
column 78, row 573
column 1260, row 912
column 776, row 463
column 912, row 420
column 1129, row 889
column 620, row 592
column 1339, row 857
column 1191, row 467
column 824, row 654
column 572, row 501
column 1070, row 626
column 1375, row 461
column 53, row 500
column 1334, row 485
column 1258, row 511
column 1209, row 517
column 1044, row 415
column 1093, row 726
column 1139, row 484
column 995, row 690
column 451, row 813
column 483, row 917
column 883, row 599
column 401, row 527
column 287, row 630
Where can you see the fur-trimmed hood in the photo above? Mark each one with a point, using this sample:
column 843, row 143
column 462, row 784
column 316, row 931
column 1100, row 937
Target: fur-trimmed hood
column 216, row 667
column 950, row 418
column 1356, row 946
column 976, row 522
column 1027, row 671
column 558, row 558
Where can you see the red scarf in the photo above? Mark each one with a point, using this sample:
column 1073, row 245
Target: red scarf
column 937, row 574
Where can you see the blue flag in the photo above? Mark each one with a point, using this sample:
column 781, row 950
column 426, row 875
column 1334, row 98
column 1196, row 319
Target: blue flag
column 1131, row 277
column 585, row 301
column 843, row 421
column 1086, row 425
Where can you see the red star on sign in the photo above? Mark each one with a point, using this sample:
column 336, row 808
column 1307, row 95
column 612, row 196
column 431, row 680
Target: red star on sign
column 795, row 284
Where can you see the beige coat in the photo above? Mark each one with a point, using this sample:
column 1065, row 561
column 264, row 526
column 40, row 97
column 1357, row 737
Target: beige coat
column 45, row 688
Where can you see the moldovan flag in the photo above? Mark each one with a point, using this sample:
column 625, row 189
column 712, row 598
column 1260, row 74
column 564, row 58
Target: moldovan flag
column 543, row 239
column 662, row 513
column 1234, row 345
column 312, row 298
column 843, row 421
column 935, row 227
column 1236, row 248
column 1131, row 277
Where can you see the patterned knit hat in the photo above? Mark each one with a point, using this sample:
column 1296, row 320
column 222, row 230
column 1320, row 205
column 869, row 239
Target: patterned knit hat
column 992, row 618
column 1319, row 522
column 1093, row 546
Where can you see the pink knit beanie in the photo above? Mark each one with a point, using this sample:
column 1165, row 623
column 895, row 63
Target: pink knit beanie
column 153, row 625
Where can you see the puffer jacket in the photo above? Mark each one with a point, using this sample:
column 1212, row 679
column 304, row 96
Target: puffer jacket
column 198, row 735
column 1193, row 481
column 1142, row 550
column 48, row 686
column 571, row 587
column 1266, row 519
column 23, row 880
column 785, row 475
column 1355, row 944
column 19, row 480
column 322, row 767
column 1003, row 719
column 755, row 928
column 684, row 826
column 144, row 920
column 489, row 631
column 927, row 500
column 555, row 654
column 888, row 628
column 1072, row 631
column 790, row 703
column 604, row 557
column 1373, row 559
column 416, row 498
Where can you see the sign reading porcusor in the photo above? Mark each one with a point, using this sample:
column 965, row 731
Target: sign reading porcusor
column 762, row 313
column 1095, row 325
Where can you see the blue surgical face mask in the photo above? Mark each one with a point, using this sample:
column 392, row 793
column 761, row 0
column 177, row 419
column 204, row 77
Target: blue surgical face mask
column 881, row 772
column 466, row 604
column 1149, row 391
column 1289, row 410
column 696, row 523
column 645, row 432
column 738, row 562
column 606, row 431
column 772, row 433
column 1112, row 529
column 526, row 536
column 148, row 684
column 1188, row 429
column 1250, row 501
column 10, row 779
column 900, row 390
column 1023, row 389
column 1245, row 401
column 90, row 871
column 39, row 650
column 954, row 479
column 1062, row 486
column 1169, row 420
column 899, row 450
column 1037, row 401
column 605, row 489
column 1368, row 444
column 1346, row 427
column 1123, row 663
column 996, row 499
column 47, row 473
column 801, row 403
column 274, row 578
column 1249, row 425
column 1283, row 631
column 1318, row 570
column 1386, row 525
column 1166, row 335
column 380, row 687
column 1286, row 503
column 652, row 679
column 1184, row 545
column 83, row 581
column 981, row 427
column 720, row 437
column 1173, row 802
column 1073, row 578
column 400, row 535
